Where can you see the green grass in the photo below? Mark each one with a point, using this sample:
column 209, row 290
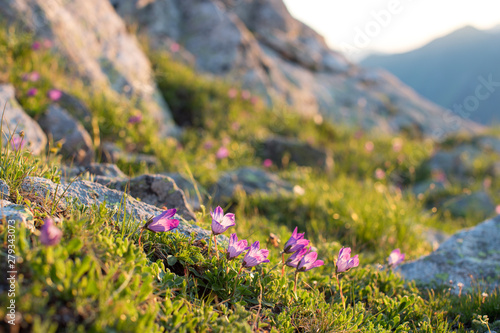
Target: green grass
column 99, row 280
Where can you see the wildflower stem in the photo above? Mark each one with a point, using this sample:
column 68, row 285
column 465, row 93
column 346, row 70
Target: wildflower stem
column 295, row 281
column 216, row 249
column 283, row 262
column 236, row 281
column 140, row 235
column 340, row 290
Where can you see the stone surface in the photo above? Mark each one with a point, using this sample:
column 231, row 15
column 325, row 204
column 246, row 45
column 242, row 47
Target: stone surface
column 76, row 141
column 95, row 169
column 458, row 162
column 16, row 120
column 187, row 186
column 111, row 153
column 4, row 190
column 96, row 45
column 259, row 44
column 89, row 193
column 469, row 252
column 18, row 213
column 478, row 204
column 249, row 180
column 429, row 187
column 156, row 190
column 76, row 107
column 301, row 153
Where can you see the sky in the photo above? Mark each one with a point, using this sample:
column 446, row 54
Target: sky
column 358, row 27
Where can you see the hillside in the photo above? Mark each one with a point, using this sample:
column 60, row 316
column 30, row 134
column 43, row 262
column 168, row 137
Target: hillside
column 133, row 183
column 447, row 71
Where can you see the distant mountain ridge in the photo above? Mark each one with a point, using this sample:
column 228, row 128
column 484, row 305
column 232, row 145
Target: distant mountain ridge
column 452, row 70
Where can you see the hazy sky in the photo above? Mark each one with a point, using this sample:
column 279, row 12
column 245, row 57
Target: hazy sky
column 410, row 23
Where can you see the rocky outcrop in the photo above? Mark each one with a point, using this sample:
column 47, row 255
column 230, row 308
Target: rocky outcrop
column 472, row 252
column 478, row 204
column 259, row 44
column 278, row 148
column 96, row 44
column 4, row 190
column 15, row 121
column 60, row 126
column 250, row 181
column 18, row 213
column 156, row 190
column 89, row 193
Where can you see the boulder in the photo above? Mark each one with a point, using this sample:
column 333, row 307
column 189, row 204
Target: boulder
column 75, row 107
column 96, row 45
column 278, row 148
column 471, row 252
column 89, row 193
column 478, row 204
column 156, row 190
column 188, row 187
column 111, row 153
column 457, row 162
column 18, row 213
column 249, row 180
column 4, row 190
column 429, row 187
column 61, row 126
column 106, row 170
column 258, row 44
column 16, row 120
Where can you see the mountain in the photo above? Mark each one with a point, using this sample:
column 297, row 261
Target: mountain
column 452, row 70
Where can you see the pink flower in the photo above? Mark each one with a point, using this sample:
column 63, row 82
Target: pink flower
column 33, row 77
column 50, row 235
column 36, row 46
column 221, row 222
column 163, row 222
column 267, row 163
column 254, row 100
column 295, row 258
column 54, row 94
column 32, row 92
column 379, row 174
column 497, row 209
column 295, row 243
column 345, row 262
column 222, row 153
column 245, row 94
column 47, row 43
column 395, row 258
column 309, row 261
column 369, row 146
column 232, row 93
column 236, row 248
column 135, row 119
column 174, row 47
column 397, row 145
column 17, row 142
column 255, row 256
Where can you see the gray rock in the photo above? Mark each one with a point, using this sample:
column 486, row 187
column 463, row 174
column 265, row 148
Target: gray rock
column 458, row 162
column 260, row 45
column 4, row 190
column 89, row 193
column 187, row 186
column 111, row 153
column 429, row 187
column 478, row 204
column 156, row 190
column 301, row 153
column 18, row 213
column 249, row 180
column 469, row 252
column 16, row 120
column 490, row 143
column 61, row 126
column 96, row 45
column 76, row 107
column 105, row 170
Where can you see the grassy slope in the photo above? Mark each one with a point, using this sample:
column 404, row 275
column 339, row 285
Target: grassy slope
column 97, row 278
